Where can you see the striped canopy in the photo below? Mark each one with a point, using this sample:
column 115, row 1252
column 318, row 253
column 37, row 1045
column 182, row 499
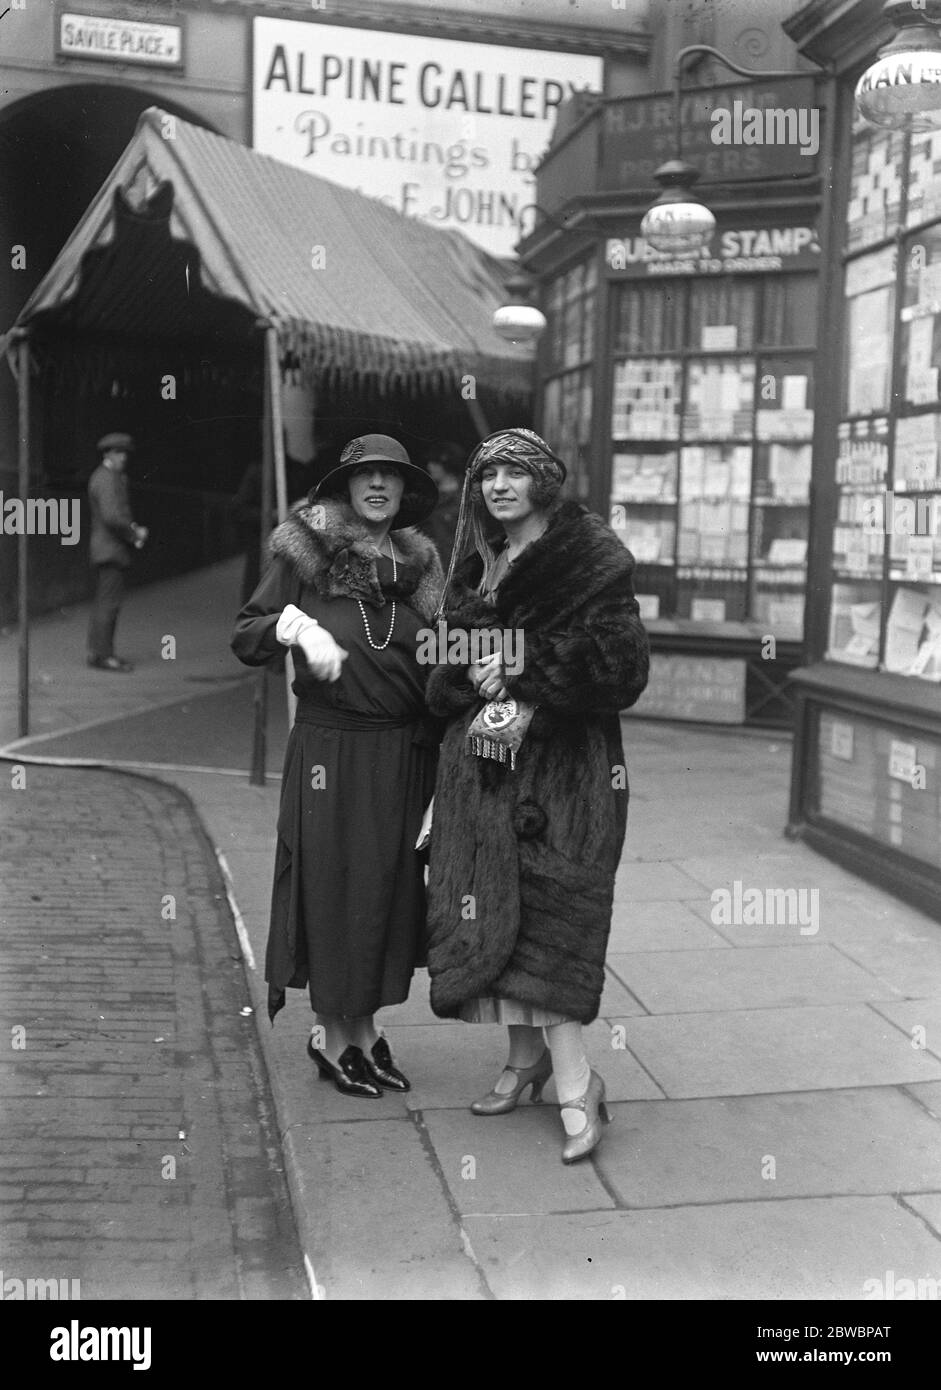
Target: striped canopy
column 195, row 236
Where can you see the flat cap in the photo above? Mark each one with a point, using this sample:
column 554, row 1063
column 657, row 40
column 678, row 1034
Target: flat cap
column 115, row 441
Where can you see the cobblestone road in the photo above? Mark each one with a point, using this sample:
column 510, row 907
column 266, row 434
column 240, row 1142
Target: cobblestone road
column 137, row 1148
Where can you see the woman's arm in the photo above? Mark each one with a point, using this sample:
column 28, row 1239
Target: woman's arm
column 450, row 689
column 254, row 638
column 598, row 664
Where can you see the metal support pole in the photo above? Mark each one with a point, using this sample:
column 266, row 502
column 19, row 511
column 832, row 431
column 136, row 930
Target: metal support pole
column 22, row 382
column 260, row 702
column 273, row 379
column 475, row 410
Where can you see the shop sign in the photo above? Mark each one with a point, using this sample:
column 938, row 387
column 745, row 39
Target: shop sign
column 738, row 250
column 710, row 689
column 638, row 134
column 114, row 40
column 440, row 129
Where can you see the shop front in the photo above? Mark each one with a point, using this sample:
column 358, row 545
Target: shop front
column 866, row 786
column 684, row 386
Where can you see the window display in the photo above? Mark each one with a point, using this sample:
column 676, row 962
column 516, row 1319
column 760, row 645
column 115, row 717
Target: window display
column 885, row 610
column 569, row 348
column 712, row 448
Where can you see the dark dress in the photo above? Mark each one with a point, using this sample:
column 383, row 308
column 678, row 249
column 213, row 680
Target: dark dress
column 348, row 901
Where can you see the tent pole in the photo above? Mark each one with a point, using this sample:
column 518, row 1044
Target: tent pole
column 22, row 382
column 280, row 477
column 479, row 418
column 257, row 777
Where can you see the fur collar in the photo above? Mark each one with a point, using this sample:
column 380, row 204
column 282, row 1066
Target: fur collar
column 330, row 550
column 576, row 557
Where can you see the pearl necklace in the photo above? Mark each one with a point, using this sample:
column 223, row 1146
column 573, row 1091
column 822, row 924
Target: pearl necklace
column 381, row 646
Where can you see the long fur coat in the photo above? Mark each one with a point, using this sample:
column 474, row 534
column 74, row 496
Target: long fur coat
column 521, row 877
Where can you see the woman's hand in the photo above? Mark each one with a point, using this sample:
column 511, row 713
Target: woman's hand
column 324, row 655
column 488, row 677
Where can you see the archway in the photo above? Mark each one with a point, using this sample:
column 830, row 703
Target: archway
column 57, row 147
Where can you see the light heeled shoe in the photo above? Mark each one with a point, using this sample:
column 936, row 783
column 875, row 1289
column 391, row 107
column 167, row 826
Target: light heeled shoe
column 592, row 1104
column 535, row 1076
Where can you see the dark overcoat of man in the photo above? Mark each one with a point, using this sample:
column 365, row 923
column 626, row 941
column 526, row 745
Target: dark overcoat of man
column 114, row 538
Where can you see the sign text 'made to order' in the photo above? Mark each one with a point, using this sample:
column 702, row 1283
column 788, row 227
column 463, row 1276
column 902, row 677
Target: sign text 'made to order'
column 730, row 251
column 438, row 129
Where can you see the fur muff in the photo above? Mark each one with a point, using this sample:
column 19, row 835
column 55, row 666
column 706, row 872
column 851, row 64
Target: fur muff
column 330, row 550
column 521, row 877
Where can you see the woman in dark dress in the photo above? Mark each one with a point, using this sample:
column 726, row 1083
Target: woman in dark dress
column 349, row 594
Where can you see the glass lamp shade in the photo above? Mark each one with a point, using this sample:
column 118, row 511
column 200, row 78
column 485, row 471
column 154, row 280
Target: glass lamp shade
column 902, row 89
column 519, row 323
column 678, row 228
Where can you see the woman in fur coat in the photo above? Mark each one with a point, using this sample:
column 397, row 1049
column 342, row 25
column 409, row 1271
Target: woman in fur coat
column 530, row 803
column 349, row 588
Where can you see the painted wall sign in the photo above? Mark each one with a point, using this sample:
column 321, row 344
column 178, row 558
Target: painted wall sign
column 638, row 134
column 736, row 250
column 711, row 689
column 439, row 129
column 119, row 40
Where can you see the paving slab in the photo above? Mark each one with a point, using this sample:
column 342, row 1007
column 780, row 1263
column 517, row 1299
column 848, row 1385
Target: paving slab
column 764, row 1148
column 654, row 925
column 375, row 1216
column 670, row 982
column 928, row 1094
column 919, row 1018
column 769, row 1050
column 511, row 1163
column 928, row 1206
column 912, row 966
column 796, row 867
column 636, row 881
column 842, row 918
column 818, row 1248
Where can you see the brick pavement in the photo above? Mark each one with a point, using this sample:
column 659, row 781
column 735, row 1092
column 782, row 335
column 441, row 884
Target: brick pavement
column 138, row 1152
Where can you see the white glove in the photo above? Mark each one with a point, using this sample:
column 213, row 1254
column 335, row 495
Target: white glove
column 325, row 657
column 424, row 835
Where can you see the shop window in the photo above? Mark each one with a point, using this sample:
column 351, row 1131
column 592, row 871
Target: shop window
column 880, row 781
column 570, row 312
column 649, row 318
column 885, row 598
column 711, row 447
column 566, row 415
column 874, row 210
column 723, row 315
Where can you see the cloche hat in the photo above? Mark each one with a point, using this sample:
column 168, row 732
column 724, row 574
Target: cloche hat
column 420, row 496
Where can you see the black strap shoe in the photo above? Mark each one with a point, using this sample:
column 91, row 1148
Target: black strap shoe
column 350, row 1074
column 382, row 1068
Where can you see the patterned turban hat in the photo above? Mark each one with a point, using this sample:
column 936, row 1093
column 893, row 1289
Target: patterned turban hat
column 527, row 450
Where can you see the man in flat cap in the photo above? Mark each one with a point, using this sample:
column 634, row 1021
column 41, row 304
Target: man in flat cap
column 114, row 538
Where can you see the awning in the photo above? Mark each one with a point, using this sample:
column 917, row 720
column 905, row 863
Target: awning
column 194, row 235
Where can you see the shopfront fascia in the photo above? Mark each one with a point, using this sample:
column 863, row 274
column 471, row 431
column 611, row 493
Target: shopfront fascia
column 683, row 391
column 866, row 780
